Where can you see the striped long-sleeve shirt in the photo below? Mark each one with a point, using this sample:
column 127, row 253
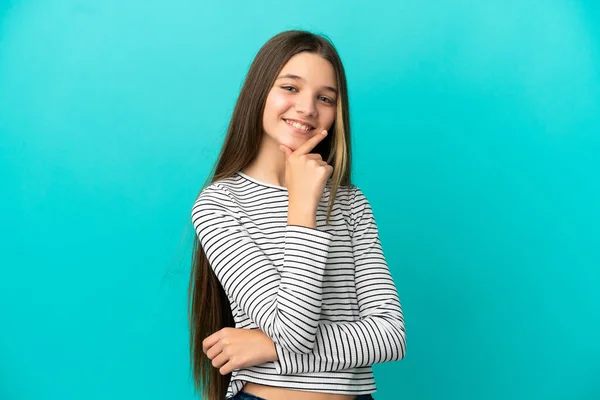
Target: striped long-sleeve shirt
column 325, row 296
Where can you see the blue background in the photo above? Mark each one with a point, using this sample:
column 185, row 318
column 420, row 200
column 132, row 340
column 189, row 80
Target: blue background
column 476, row 139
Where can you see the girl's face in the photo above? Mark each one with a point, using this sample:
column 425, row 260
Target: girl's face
column 302, row 102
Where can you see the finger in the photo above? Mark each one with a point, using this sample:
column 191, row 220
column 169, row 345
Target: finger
column 315, row 156
column 319, row 163
column 329, row 170
column 210, row 341
column 227, row 368
column 220, row 360
column 215, row 350
column 311, row 143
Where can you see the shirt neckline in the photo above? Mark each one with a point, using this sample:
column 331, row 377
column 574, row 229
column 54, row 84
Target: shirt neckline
column 260, row 182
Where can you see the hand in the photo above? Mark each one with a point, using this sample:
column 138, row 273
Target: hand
column 306, row 174
column 234, row 348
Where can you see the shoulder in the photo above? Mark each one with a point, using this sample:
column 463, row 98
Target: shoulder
column 359, row 207
column 351, row 201
column 359, row 198
column 214, row 193
column 350, row 196
column 214, row 209
column 221, row 190
column 216, row 196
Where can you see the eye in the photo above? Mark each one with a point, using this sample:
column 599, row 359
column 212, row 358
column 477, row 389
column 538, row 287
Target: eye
column 289, row 88
column 326, row 99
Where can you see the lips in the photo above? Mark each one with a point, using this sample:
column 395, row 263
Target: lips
column 301, row 125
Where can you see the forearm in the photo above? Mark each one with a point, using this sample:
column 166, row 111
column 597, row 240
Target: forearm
column 371, row 340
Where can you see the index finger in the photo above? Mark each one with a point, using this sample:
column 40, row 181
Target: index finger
column 311, row 143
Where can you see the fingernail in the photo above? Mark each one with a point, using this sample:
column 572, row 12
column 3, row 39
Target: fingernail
column 324, row 132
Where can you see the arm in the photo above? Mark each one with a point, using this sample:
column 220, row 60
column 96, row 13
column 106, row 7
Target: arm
column 379, row 335
column 286, row 307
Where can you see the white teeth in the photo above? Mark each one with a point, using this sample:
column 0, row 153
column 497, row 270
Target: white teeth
column 299, row 125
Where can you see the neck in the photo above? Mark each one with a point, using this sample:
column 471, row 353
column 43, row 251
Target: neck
column 269, row 164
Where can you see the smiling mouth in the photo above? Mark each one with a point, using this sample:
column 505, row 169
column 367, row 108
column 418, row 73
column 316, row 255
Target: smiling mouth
column 299, row 125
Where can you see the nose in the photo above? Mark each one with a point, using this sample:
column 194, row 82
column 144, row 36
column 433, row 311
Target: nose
column 306, row 105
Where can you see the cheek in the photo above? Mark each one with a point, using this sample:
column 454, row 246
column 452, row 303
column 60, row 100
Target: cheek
column 277, row 104
column 328, row 117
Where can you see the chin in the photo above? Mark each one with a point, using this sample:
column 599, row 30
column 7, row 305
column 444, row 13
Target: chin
column 293, row 142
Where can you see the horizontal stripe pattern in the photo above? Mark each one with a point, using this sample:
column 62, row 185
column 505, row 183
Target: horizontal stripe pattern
column 325, row 296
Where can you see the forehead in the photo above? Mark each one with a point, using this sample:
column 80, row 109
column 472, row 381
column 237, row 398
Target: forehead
column 312, row 67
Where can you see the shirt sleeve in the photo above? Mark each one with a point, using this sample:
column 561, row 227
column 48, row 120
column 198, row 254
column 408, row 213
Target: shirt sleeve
column 285, row 306
column 379, row 334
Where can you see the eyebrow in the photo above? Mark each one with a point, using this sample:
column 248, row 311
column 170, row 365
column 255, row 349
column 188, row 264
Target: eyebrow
column 299, row 78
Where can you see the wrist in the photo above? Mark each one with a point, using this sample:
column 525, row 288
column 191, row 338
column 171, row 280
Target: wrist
column 306, row 216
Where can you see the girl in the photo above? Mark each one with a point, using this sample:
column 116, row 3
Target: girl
column 290, row 295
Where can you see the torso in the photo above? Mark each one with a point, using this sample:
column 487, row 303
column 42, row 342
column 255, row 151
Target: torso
column 339, row 306
column 277, row 393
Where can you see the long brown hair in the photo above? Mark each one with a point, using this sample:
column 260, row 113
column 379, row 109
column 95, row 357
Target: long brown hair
column 208, row 307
